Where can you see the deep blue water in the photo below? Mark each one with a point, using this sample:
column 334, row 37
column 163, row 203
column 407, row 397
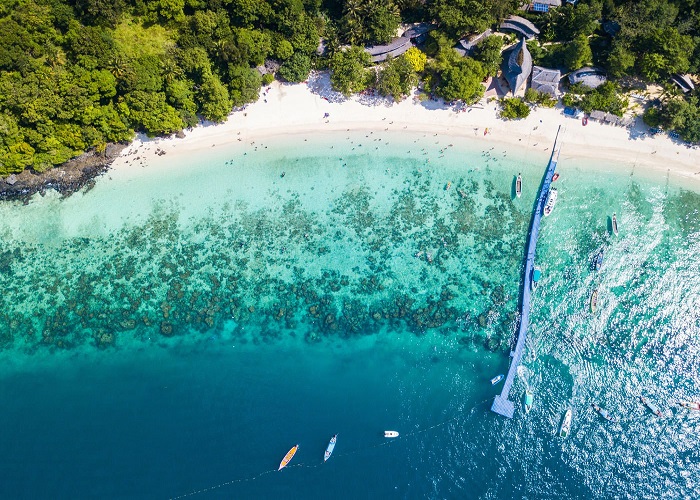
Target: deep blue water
column 165, row 342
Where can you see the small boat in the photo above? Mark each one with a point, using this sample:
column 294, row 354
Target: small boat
column 496, row 379
column 603, row 413
column 598, row 261
column 594, row 300
column 288, row 457
column 555, row 176
column 529, row 398
column 536, row 275
column 690, row 405
column 391, row 434
column 519, row 185
column 584, row 120
column 652, row 407
column 551, row 200
column 614, row 225
column 329, row 450
column 566, row 424
column 448, row 186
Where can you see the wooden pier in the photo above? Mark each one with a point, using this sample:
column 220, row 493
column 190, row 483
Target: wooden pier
column 501, row 404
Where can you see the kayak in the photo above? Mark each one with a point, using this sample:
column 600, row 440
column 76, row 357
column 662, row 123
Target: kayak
column 391, row 434
column 329, row 450
column 529, row 399
column 566, row 424
column 288, row 457
column 496, row 379
column 652, row 407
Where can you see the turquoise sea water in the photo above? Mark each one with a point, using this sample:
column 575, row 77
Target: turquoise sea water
column 174, row 331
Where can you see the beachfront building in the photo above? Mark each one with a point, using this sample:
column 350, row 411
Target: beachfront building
column 589, row 76
column 520, row 26
column 414, row 35
column 544, row 5
column 683, row 82
column 517, row 65
column 465, row 46
column 546, row 80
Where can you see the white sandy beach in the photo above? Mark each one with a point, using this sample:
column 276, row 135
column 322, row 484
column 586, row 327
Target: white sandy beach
column 301, row 109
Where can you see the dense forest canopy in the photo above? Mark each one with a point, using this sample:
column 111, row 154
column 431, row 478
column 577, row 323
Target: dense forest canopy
column 78, row 74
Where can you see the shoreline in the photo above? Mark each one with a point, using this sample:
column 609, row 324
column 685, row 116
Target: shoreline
column 311, row 109
column 65, row 179
column 299, row 111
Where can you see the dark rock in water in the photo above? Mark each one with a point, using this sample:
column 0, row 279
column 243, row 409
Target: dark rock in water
column 68, row 178
column 166, row 328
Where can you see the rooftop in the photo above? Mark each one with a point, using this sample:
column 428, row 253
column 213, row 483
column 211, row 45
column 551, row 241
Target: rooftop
column 517, row 65
column 546, row 80
column 521, row 26
column 589, row 76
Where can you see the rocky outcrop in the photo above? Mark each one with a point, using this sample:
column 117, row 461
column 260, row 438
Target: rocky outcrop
column 66, row 179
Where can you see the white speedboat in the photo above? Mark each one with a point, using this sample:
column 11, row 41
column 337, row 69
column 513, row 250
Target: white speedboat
column 391, row 434
column 566, row 424
column 551, row 201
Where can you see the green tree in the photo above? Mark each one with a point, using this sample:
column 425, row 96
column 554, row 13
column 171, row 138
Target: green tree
column 296, row 69
column 397, row 78
column 244, row 85
column 578, row 53
column 348, row 73
column 462, row 81
column 488, row 53
column 214, row 101
column 149, row 112
column 513, row 108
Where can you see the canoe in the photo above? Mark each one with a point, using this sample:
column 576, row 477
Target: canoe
column 519, row 185
column 594, row 300
column 329, row 450
column 529, row 399
column 536, row 275
column 496, row 379
column 391, row 434
column 603, row 413
column 690, row 405
column 288, row 457
column 652, row 407
column 566, row 424
column 614, row 225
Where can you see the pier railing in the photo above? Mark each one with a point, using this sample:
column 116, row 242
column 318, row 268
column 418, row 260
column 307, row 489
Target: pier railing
column 501, row 404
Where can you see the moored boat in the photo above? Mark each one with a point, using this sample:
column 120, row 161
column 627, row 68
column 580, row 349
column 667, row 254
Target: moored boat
column 555, row 176
column 391, row 434
column 603, row 413
column 565, row 428
column 288, row 457
column 551, row 201
column 529, row 399
column 536, row 275
column 519, row 185
column 329, row 450
column 652, row 407
column 598, row 260
column 691, row 405
column 594, row 300
column 496, row 379
column 614, row 225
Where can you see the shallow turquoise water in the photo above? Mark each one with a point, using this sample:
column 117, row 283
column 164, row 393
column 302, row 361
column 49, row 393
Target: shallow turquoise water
column 166, row 334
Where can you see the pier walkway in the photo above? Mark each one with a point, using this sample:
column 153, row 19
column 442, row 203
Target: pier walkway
column 501, row 404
